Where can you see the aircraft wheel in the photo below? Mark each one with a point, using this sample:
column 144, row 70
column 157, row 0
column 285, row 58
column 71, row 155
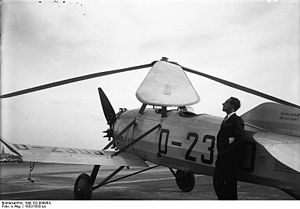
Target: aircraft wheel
column 83, row 188
column 185, row 180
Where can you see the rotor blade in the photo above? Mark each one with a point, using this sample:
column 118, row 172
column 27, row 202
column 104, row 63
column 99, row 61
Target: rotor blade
column 108, row 110
column 73, row 80
column 242, row 88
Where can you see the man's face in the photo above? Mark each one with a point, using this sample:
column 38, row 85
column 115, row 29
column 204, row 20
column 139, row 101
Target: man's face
column 227, row 106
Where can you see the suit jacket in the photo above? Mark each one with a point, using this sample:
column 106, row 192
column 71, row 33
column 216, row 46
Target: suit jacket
column 232, row 127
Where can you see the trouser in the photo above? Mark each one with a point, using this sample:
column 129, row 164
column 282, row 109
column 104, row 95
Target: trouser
column 225, row 180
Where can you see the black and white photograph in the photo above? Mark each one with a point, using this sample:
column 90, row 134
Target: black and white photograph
column 149, row 100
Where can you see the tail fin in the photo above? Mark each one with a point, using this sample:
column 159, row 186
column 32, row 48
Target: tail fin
column 275, row 118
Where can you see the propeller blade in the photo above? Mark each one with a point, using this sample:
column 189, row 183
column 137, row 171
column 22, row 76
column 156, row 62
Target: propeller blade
column 242, row 88
column 108, row 110
column 73, row 80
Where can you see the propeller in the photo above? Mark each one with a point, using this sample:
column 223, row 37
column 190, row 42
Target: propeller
column 242, row 88
column 110, row 116
column 73, row 80
column 108, row 110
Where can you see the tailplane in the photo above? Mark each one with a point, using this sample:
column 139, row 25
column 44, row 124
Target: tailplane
column 275, row 118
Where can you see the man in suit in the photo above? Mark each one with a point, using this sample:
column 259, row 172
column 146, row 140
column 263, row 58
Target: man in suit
column 229, row 145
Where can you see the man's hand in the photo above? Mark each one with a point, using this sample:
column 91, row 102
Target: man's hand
column 231, row 140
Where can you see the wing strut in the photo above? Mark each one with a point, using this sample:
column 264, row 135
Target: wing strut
column 10, row 148
column 137, row 139
column 120, row 134
column 108, row 145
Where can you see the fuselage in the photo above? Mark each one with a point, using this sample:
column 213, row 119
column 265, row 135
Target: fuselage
column 187, row 142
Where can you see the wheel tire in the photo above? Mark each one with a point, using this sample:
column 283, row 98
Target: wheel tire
column 185, row 180
column 83, row 188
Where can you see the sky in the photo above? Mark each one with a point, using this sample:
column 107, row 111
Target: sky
column 252, row 43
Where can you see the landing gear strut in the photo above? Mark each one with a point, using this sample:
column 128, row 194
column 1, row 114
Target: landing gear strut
column 83, row 187
column 185, row 180
column 84, row 184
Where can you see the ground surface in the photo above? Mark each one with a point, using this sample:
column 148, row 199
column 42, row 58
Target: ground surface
column 55, row 182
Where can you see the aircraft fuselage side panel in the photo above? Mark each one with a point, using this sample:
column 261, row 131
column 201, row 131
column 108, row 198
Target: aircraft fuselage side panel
column 189, row 144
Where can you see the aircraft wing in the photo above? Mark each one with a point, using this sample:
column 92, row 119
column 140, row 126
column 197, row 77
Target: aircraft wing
column 284, row 148
column 47, row 154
